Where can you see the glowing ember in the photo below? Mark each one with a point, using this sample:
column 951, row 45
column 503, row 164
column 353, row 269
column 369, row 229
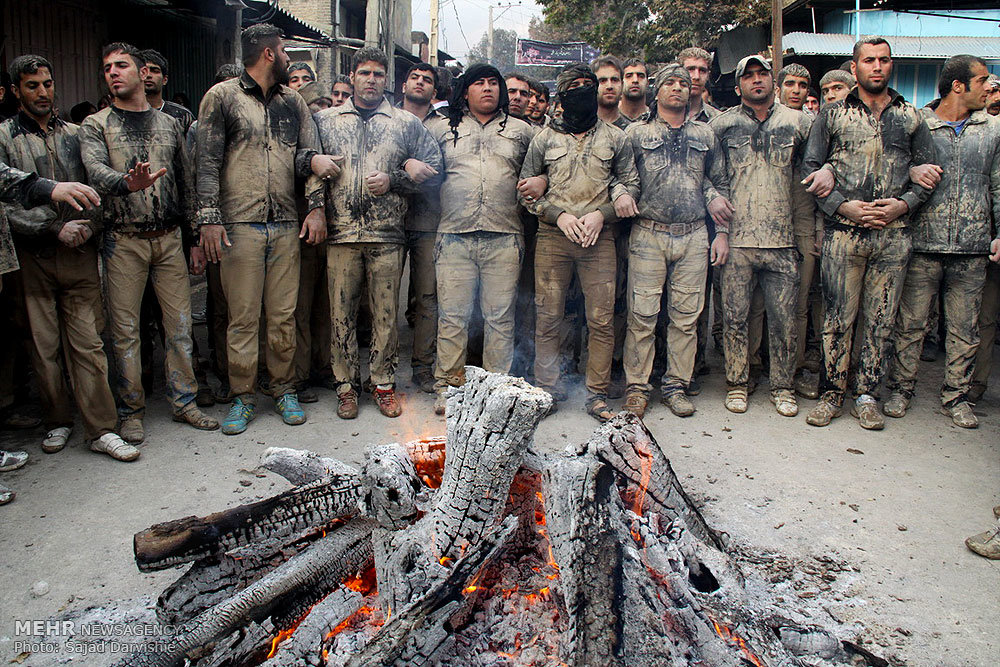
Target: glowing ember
column 735, row 640
column 470, row 589
column 282, row 636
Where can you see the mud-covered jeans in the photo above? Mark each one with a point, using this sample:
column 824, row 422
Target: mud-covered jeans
column 423, row 285
column 776, row 272
column 312, row 313
column 863, row 273
column 656, row 259
column 961, row 279
column 261, row 266
column 382, row 266
column 556, row 260
column 483, row 263
column 804, row 300
column 987, row 326
column 128, row 261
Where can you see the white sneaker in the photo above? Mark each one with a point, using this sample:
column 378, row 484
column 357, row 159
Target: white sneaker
column 112, row 445
column 56, row 439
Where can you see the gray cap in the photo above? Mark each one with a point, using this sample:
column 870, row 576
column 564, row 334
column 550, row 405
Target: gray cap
column 742, row 64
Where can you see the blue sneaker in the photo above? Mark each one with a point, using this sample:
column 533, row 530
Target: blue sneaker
column 240, row 414
column 291, row 412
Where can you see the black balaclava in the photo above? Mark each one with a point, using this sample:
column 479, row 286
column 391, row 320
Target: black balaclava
column 458, row 103
column 579, row 105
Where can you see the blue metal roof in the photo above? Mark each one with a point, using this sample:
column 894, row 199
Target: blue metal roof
column 821, row 44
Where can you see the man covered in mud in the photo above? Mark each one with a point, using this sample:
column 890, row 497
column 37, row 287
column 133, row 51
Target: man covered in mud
column 858, row 158
column 835, row 85
column 608, row 70
column 480, row 240
column 255, row 135
column 763, row 141
column 137, row 158
column 155, row 81
column 388, row 155
column 592, row 182
column 683, row 173
column 539, row 104
column 793, row 86
column 635, row 84
column 951, row 238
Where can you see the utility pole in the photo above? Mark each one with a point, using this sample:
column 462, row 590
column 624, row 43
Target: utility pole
column 489, row 30
column 433, row 55
column 777, row 28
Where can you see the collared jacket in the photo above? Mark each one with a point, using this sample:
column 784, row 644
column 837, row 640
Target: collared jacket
column 114, row 140
column 870, row 157
column 424, row 210
column 26, row 189
column 180, row 112
column 585, row 174
column 957, row 217
column 763, row 161
column 482, row 166
column 54, row 153
column 681, row 170
column 250, row 147
column 383, row 143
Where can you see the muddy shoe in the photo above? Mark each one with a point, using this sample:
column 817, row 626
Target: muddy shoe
column 204, row 398
column 424, row 380
column 865, row 409
column 896, row 406
column 112, row 445
column 635, row 404
column 56, row 439
column 736, row 400
column 693, row 387
column 784, row 402
column 288, row 407
column 678, row 404
column 807, row 384
column 240, row 415
column 132, row 431
column 599, row 410
column 306, row 394
column 6, row 494
column 347, row 403
column 986, row 544
column 976, row 392
column 440, row 403
column 387, row 402
column 962, row 415
column 224, row 394
column 195, row 417
column 825, row 411
column 12, row 460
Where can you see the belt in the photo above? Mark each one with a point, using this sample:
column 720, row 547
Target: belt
column 673, row 228
column 154, row 234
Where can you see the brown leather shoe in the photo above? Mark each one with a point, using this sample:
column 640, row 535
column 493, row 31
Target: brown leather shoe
column 387, row 402
column 347, row 407
column 196, row 418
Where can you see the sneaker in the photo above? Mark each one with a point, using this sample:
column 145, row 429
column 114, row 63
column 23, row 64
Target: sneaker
column 204, row 398
column 291, row 412
column 825, row 411
column 6, row 494
column 113, row 445
column 962, row 415
column 131, row 431
column 387, row 402
column 424, row 380
column 896, row 406
column 636, row 403
column 678, row 403
column 12, row 460
column 56, row 439
column 306, row 394
column 347, row 407
column 865, row 408
column 440, row 403
column 195, row 417
column 986, row 544
column 807, row 384
column 784, row 402
column 240, row 414
column 976, row 392
column 736, row 400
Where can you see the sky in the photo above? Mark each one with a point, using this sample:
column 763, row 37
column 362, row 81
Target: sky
column 462, row 20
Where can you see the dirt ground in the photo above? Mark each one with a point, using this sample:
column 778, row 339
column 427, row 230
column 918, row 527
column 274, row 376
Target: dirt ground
column 893, row 506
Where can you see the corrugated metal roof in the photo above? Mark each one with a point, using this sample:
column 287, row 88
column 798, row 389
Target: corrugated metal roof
column 821, row 44
column 290, row 24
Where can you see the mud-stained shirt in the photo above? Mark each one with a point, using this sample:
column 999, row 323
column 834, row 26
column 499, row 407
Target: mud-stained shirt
column 482, row 167
column 424, row 210
column 956, row 217
column 681, row 170
column 585, row 174
column 54, row 153
column 26, row 189
column 114, row 140
column 250, row 147
column 707, row 113
column 763, row 162
column 383, row 142
column 180, row 112
column 870, row 157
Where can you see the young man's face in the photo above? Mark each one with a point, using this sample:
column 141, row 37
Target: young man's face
column 609, row 86
column 279, row 68
column 975, row 94
column 539, row 106
column 873, row 67
column 520, row 94
column 36, row 92
column 756, row 83
column 155, row 80
column 483, row 95
column 298, row 78
column 341, row 93
column 419, row 86
column 635, row 82
column 698, row 69
column 794, row 90
column 834, row 92
column 369, row 83
column 812, row 103
column 122, row 74
column 673, row 94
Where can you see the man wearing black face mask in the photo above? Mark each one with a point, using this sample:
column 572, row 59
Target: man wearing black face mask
column 592, row 182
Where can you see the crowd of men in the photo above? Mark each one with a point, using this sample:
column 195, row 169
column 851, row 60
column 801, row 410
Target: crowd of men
column 825, row 228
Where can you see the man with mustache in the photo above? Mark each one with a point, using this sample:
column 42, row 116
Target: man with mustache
column 635, row 83
column 793, row 86
column 539, row 104
column 519, row 92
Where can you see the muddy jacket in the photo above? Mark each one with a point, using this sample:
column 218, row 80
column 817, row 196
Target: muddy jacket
column 112, row 141
column 763, row 160
column 707, row 113
column 181, row 113
column 870, row 157
column 251, row 146
column 26, row 189
column 681, row 169
column 956, row 218
column 383, row 143
column 585, row 174
column 482, row 168
column 51, row 153
column 424, row 210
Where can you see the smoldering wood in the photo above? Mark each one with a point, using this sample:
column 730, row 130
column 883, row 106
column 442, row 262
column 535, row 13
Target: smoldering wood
column 393, row 492
column 306, row 646
column 300, row 466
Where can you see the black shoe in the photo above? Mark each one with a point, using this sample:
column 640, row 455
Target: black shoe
column 693, row 387
column 929, row 352
column 204, row 398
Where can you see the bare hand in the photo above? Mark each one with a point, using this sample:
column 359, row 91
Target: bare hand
column 74, row 233
column 625, row 207
column 926, row 176
column 720, row 250
column 721, row 210
column 213, row 237
column 592, row 224
column 854, row 210
column 77, row 195
column 571, row 227
column 377, row 182
column 820, row 182
column 326, row 167
column 140, row 178
column 995, row 250
column 197, row 264
column 314, row 227
column 418, row 171
column 533, row 188
column 883, row 211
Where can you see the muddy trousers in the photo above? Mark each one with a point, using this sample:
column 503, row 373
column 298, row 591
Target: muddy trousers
column 557, row 259
column 776, row 272
column 987, row 326
column 960, row 278
column 128, row 261
column 261, row 266
column 658, row 261
column 312, row 314
column 486, row 264
column 62, row 297
column 624, row 231
column 381, row 265
column 808, row 276
column 420, row 246
column 863, row 273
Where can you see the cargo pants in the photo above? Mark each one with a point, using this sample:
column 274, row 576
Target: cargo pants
column 987, row 326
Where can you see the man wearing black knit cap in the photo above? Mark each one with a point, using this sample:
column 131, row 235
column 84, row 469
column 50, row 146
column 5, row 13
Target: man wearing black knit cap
column 480, row 240
column 592, row 182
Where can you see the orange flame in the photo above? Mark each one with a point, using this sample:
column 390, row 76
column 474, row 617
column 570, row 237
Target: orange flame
column 362, row 611
column 470, row 589
column 734, row 639
column 282, row 636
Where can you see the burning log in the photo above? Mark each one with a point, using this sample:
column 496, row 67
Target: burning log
column 301, row 467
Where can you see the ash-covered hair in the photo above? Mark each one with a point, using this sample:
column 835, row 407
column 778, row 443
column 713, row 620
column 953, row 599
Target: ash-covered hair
column 126, row 48
column 228, row 71
column 794, row 69
column 369, row 54
column 608, row 61
column 838, row 75
column 294, row 67
column 27, row 64
column 694, row 53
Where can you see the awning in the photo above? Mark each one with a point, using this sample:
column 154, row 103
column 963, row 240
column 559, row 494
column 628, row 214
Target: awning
column 934, row 48
column 268, row 11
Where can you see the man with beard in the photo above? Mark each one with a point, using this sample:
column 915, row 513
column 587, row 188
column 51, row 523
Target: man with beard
column 608, row 70
column 144, row 212
column 951, row 239
column 539, row 104
column 300, row 74
column 388, row 155
column 154, row 83
column 857, row 159
column 255, row 135
column 519, row 91
column 835, row 85
column 480, row 241
column 635, row 83
column 683, row 174
column 592, row 182
column 793, row 86
column 763, row 142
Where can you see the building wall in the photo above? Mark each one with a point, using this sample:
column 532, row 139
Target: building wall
column 888, row 23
